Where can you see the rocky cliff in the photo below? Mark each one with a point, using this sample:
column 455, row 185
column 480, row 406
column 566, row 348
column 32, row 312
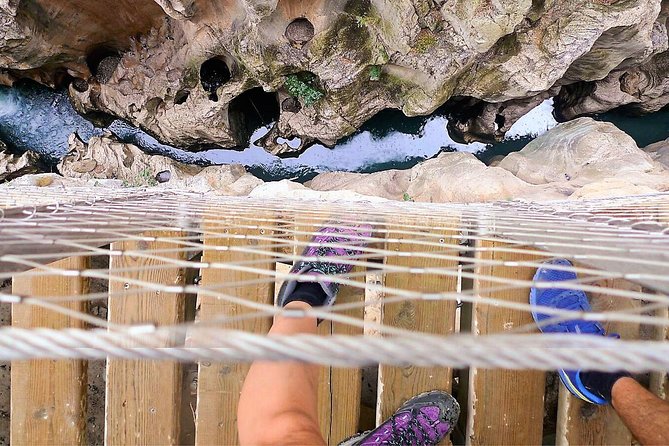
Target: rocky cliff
column 204, row 72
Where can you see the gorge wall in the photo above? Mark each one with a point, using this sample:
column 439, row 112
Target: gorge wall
column 197, row 73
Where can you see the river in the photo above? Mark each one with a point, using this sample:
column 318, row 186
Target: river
column 34, row 117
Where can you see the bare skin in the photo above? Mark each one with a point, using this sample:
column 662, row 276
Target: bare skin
column 278, row 403
column 644, row 414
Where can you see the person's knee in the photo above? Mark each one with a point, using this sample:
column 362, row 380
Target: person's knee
column 286, row 428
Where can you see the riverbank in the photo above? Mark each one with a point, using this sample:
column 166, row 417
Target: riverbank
column 579, row 159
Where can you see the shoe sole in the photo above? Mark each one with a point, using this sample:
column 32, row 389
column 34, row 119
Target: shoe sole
column 571, row 387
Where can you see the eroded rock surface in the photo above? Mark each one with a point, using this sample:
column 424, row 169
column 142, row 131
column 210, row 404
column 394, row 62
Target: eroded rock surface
column 659, row 151
column 580, row 152
column 14, row 166
column 579, row 159
column 103, row 158
column 144, row 61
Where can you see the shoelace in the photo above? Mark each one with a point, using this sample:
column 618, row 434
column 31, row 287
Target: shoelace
column 574, row 304
column 407, row 436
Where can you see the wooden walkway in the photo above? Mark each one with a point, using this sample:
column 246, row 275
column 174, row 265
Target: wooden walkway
column 145, row 400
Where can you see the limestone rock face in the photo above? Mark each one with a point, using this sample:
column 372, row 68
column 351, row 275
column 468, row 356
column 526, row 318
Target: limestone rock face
column 103, row 158
column 580, row 152
column 659, row 152
column 390, row 184
column 451, row 177
column 202, row 72
column 286, row 189
column 579, row 159
column 12, row 166
column 641, row 89
column 461, row 178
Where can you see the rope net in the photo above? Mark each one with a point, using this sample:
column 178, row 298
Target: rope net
column 173, row 275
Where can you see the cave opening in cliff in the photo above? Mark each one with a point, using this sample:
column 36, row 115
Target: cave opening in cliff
column 213, row 74
column 461, row 111
column 300, row 31
column 102, row 61
column 251, row 110
column 570, row 96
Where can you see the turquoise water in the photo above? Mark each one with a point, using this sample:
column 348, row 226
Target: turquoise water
column 34, row 117
column 645, row 129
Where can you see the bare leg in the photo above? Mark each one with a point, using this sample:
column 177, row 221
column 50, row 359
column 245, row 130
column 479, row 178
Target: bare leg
column 646, row 415
column 278, row 404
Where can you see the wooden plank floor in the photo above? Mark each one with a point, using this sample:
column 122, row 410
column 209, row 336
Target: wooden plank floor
column 219, row 385
column 339, row 389
column 48, row 398
column 345, row 383
column 143, row 397
column 398, row 384
column 499, row 411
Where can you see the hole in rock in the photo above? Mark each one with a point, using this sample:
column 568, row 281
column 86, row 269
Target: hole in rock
column 181, row 96
column 102, row 62
column 61, row 79
column 213, row 74
column 461, row 110
column 80, row 85
column 299, row 31
column 251, row 110
column 570, row 96
column 500, row 120
column 291, row 105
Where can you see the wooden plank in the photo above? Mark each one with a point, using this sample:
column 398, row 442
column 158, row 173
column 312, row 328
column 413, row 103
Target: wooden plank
column 48, row 398
column 398, row 384
column 219, row 385
column 143, row 398
column 582, row 423
column 666, row 379
column 505, row 407
column 346, row 383
column 659, row 381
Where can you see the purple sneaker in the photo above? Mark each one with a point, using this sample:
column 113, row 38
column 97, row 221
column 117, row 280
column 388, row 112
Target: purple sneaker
column 423, row 420
column 353, row 236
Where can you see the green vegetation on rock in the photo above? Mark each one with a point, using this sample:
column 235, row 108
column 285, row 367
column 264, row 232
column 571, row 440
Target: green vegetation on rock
column 424, row 42
column 366, row 20
column 304, row 87
column 374, row 72
column 143, row 179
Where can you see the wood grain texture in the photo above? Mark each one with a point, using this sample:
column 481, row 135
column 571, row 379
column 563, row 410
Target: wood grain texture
column 398, row 384
column 144, row 397
column 219, row 384
column 505, row 407
column 659, row 381
column 582, row 423
column 48, row 398
column 346, row 383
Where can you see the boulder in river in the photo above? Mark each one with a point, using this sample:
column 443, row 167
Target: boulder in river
column 14, row 166
column 659, row 151
column 580, row 152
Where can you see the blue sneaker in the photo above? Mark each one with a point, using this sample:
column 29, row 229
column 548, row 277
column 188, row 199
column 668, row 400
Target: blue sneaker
column 563, row 299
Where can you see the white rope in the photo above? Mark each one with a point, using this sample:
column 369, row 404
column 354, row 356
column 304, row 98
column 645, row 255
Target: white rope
column 540, row 352
column 611, row 239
